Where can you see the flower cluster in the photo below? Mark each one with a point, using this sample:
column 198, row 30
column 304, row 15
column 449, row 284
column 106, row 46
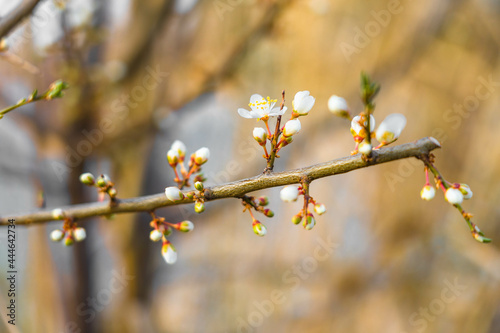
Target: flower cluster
column 454, row 193
column 258, row 205
column 102, row 183
column 70, row 231
column 291, row 193
column 363, row 125
column 176, row 156
column 263, row 108
column 161, row 230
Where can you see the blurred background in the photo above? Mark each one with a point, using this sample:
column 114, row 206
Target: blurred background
column 145, row 73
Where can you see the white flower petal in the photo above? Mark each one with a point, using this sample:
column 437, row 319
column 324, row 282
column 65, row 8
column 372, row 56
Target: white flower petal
column 303, row 102
column 245, row 113
column 390, row 129
column 255, row 98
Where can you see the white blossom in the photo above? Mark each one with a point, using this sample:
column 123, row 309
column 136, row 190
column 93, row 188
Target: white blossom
column 87, row 178
column 303, row 102
column 168, row 252
column 201, row 155
column 79, row 234
column 390, row 129
column 155, row 235
column 466, row 191
column 289, row 193
column 58, row 214
column 179, row 147
column 356, row 126
column 173, row 193
column 186, row 226
column 454, row 196
column 320, row 209
column 173, row 157
column 261, row 108
column 428, row 192
column 365, row 148
column 259, row 134
column 338, row 106
column 292, row 127
column 56, row 235
column 259, row 229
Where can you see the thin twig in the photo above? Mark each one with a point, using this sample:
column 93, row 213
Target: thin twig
column 238, row 188
column 16, row 16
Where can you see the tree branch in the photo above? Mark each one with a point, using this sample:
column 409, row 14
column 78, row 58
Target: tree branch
column 16, row 16
column 238, row 188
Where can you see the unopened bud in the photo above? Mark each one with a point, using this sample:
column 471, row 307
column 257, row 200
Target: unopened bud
column 259, row 228
column 173, row 157
column 68, row 240
column 155, row 235
column 268, row 212
column 320, row 208
column 296, row 219
column 79, row 234
column 263, row 201
column 309, row 222
column 201, row 156
column 365, row 148
column 338, row 106
column 56, row 235
column 112, row 192
column 454, row 196
column 58, row 214
column 292, row 127
column 87, row 178
column 260, row 135
column 199, row 186
column 56, row 89
column 466, row 191
column 180, row 148
column 173, row 193
column 168, row 252
column 428, row 192
column 103, row 180
column 200, row 178
column 185, row 226
column 289, row 193
column 199, row 207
